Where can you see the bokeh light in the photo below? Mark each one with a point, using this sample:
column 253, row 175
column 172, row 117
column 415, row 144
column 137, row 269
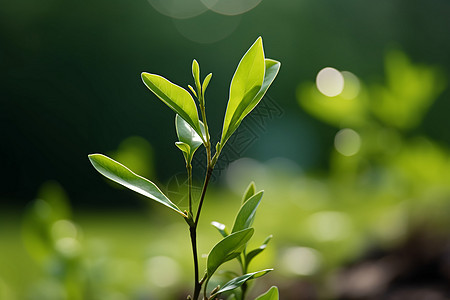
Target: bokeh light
column 179, row 9
column 330, row 82
column 163, row 271
column 300, row 261
column 209, row 27
column 329, row 225
column 347, row 142
column 352, row 85
column 231, row 7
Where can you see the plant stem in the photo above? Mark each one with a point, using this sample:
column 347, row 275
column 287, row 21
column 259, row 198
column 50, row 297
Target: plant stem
column 189, row 172
column 197, row 284
column 244, row 266
column 193, row 234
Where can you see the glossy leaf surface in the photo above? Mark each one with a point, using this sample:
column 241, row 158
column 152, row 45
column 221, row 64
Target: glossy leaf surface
column 251, row 81
column 238, row 281
column 228, row 248
column 188, row 136
column 174, row 96
column 124, row 176
column 247, row 213
column 271, row 294
column 246, row 83
column 221, row 228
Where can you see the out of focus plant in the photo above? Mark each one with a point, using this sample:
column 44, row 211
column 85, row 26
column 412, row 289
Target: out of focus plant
column 252, row 78
column 53, row 240
column 386, row 179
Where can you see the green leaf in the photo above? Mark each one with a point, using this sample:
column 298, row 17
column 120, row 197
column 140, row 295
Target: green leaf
column 221, row 228
column 192, row 90
column 196, row 74
column 246, row 83
column 206, row 83
column 271, row 294
column 250, row 255
column 247, row 212
column 185, row 149
column 250, row 191
column 174, row 96
column 228, row 248
column 238, row 281
column 252, row 79
column 187, row 135
column 124, row 176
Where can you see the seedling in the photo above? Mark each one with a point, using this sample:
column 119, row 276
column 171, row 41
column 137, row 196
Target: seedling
column 250, row 82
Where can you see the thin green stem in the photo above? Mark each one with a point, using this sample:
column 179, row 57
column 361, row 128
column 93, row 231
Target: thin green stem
column 202, row 197
column 189, row 173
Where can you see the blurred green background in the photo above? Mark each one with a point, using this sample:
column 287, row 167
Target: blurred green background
column 357, row 185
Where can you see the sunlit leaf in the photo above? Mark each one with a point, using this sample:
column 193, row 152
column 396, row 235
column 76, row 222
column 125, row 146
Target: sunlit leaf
column 252, row 79
column 250, row 255
column 247, row 212
column 187, row 135
column 238, row 281
column 250, row 191
column 185, row 149
column 221, row 228
column 124, row 176
column 246, row 83
column 192, row 90
column 174, row 96
column 196, row 74
column 228, row 248
column 271, row 294
column 206, row 83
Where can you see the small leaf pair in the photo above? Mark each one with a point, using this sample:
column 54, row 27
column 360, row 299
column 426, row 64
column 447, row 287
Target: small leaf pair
column 250, row 82
column 189, row 140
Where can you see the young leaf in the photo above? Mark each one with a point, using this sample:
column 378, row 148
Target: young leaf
column 228, row 248
column 188, row 137
column 238, row 281
column 192, row 90
column 271, row 294
column 196, row 74
column 250, row 191
column 250, row 255
column 221, row 228
column 185, row 149
column 124, row 176
column 174, row 96
column 247, row 105
column 206, row 83
column 187, row 134
column 247, row 212
column 246, row 83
